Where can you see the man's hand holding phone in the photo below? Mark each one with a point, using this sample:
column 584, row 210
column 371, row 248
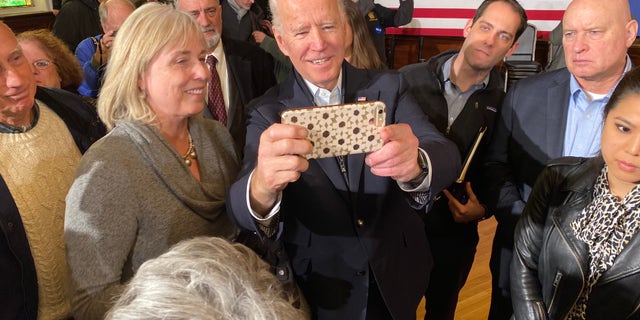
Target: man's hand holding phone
column 281, row 160
column 465, row 212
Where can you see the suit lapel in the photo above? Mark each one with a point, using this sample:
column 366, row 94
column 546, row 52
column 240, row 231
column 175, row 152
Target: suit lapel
column 332, row 171
column 352, row 79
column 298, row 97
column 236, row 107
column 557, row 98
column 239, row 71
column 556, row 122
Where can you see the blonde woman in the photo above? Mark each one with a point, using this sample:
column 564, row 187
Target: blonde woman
column 162, row 172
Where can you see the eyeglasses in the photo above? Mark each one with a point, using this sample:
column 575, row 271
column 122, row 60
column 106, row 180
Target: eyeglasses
column 41, row 64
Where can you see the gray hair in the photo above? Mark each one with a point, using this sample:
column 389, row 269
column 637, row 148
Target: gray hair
column 175, row 2
column 275, row 13
column 103, row 9
column 205, row 278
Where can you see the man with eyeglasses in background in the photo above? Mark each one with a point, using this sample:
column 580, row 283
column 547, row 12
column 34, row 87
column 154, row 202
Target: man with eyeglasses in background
column 43, row 133
column 243, row 71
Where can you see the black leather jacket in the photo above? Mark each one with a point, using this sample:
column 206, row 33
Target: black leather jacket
column 550, row 265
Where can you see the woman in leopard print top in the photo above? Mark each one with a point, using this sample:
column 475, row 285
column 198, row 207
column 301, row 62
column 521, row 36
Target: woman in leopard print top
column 576, row 245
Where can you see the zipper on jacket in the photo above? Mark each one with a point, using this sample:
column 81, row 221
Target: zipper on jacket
column 556, row 282
column 556, row 225
column 449, row 125
column 542, row 313
column 557, row 279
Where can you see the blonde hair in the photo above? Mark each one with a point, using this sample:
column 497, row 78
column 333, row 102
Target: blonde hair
column 63, row 59
column 147, row 31
column 205, row 278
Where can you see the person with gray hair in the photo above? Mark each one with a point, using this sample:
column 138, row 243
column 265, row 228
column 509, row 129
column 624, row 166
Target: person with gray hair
column 550, row 115
column 240, row 71
column 93, row 53
column 205, row 278
column 43, row 133
column 161, row 174
column 348, row 223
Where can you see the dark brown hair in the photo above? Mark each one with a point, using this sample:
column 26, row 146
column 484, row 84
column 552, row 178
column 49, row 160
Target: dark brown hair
column 516, row 7
column 363, row 53
column 629, row 85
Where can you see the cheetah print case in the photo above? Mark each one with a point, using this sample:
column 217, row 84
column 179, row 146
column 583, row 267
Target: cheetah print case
column 340, row 130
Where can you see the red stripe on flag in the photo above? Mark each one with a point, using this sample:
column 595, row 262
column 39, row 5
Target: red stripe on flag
column 545, row 14
column 443, row 13
column 456, row 13
column 425, row 32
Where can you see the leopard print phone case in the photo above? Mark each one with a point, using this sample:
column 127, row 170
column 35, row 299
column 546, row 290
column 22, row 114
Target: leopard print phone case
column 340, row 130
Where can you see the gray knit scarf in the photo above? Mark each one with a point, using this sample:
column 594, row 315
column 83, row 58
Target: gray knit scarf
column 205, row 197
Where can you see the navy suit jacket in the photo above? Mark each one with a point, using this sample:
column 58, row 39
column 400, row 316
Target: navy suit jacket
column 529, row 133
column 250, row 71
column 336, row 235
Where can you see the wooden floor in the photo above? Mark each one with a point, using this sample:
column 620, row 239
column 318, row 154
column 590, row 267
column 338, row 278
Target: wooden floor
column 473, row 303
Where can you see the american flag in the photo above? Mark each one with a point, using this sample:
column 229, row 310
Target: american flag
column 448, row 17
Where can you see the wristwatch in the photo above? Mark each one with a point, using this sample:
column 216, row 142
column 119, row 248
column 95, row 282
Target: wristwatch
column 424, row 165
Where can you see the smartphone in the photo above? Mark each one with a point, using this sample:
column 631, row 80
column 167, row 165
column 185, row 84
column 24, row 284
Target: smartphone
column 459, row 191
column 342, row 129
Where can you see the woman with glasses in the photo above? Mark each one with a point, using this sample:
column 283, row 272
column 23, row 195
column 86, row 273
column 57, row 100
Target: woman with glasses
column 53, row 64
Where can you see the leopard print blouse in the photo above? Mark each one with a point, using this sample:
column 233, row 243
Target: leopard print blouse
column 606, row 226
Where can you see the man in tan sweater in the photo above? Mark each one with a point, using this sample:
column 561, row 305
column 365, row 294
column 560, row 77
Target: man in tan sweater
column 43, row 133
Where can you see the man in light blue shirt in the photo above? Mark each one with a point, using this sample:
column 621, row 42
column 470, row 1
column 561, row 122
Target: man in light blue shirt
column 554, row 114
column 584, row 119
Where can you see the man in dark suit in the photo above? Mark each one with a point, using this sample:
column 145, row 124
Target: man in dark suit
column 245, row 71
column 461, row 92
column 349, row 225
column 555, row 114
